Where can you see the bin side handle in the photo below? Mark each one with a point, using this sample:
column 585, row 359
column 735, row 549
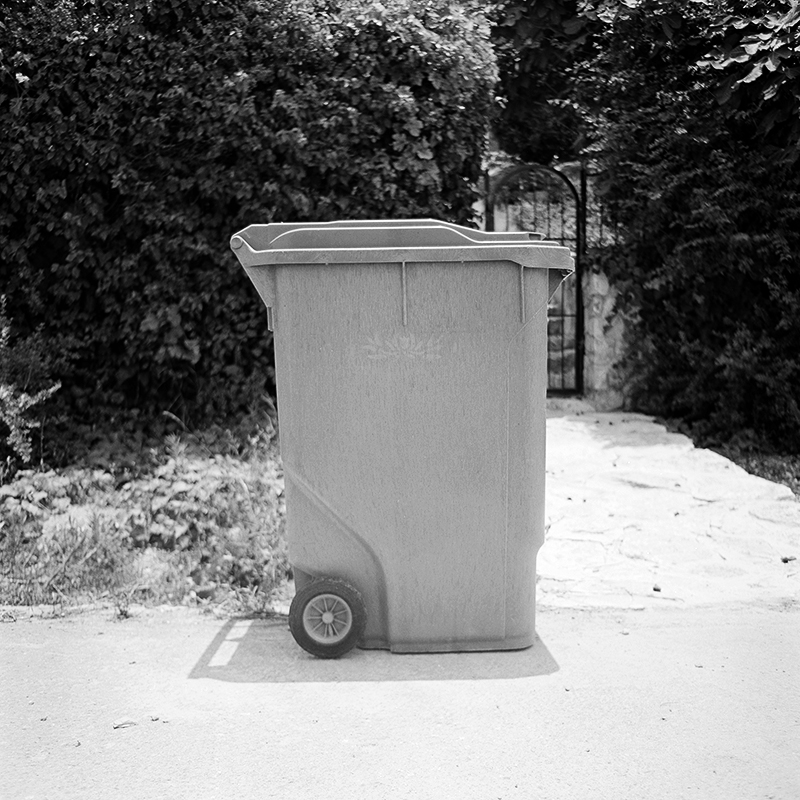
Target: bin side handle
column 556, row 277
column 263, row 278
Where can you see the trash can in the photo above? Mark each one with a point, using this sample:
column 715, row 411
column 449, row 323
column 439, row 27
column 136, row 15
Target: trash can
column 410, row 361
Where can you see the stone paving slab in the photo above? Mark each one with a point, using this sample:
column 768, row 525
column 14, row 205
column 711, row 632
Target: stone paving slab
column 638, row 516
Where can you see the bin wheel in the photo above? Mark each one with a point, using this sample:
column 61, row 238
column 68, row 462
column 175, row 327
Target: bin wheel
column 327, row 618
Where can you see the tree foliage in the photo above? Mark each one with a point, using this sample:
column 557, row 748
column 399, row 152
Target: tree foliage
column 547, row 46
column 137, row 135
column 758, row 56
column 539, row 45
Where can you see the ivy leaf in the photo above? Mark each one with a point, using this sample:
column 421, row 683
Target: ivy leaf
column 754, row 73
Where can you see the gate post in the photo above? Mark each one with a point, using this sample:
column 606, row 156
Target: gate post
column 580, row 260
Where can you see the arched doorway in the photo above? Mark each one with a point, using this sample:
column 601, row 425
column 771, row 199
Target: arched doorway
column 534, row 197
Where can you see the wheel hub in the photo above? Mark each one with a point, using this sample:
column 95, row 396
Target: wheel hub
column 327, row 619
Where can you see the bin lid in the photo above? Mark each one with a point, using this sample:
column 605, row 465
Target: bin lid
column 392, row 241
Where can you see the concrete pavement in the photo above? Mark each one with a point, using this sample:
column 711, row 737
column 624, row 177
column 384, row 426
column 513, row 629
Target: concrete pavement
column 626, row 705
column 692, row 691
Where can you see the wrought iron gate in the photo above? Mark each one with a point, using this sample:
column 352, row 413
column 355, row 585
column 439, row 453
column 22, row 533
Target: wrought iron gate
column 533, row 197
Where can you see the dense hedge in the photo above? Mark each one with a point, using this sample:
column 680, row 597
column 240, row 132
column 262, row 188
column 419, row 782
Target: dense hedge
column 137, row 135
column 710, row 267
column 714, row 279
column 690, row 109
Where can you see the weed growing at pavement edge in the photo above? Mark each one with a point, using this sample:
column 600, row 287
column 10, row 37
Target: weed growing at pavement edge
column 196, row 519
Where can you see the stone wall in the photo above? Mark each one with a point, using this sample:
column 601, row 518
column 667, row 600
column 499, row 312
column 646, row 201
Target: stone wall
column 604, row 329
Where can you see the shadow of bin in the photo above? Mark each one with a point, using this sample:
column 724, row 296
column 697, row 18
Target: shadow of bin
column 410, row 362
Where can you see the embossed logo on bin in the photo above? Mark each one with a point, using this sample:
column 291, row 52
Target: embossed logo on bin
column 407, row 346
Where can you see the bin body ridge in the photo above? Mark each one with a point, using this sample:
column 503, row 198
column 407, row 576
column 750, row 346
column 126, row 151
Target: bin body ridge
column 411, row 397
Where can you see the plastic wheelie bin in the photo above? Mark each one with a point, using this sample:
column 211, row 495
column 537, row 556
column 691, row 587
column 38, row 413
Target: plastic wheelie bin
column 410, row 362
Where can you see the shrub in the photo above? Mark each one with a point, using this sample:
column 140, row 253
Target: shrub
column 200, row 516
column 711, row 260
column 136, row 136
column 21, row 367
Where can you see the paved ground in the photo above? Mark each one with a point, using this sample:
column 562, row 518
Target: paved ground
column 692, row 691
column 632, row 506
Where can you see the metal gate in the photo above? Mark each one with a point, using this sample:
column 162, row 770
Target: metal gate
column 533, row 197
